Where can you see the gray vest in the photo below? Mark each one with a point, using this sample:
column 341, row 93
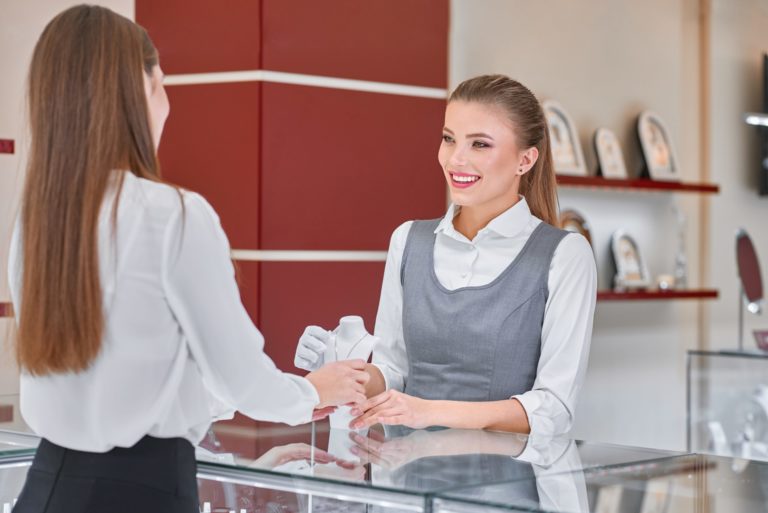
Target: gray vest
column 474, row 343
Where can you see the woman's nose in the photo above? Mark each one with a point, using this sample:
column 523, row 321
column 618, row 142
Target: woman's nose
column 458, row 157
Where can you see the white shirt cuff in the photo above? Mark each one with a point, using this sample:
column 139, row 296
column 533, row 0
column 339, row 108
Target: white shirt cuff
column 391, row 379
column 531, row 401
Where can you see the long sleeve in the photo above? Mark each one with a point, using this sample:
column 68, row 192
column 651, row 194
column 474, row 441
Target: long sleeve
column 390, row 355
column 565, row 339
column 199, row 282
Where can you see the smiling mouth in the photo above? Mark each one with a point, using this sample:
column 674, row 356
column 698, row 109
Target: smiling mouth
column 463, row 179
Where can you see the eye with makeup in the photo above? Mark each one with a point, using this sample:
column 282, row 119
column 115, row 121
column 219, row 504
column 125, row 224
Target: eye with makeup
column 447, row 139
column 480, row 144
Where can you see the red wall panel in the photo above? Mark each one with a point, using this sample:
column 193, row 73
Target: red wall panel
column 341, row 169
column 248, row 281
column 198, row 36
column 401, row 41
column 211, row 145
column 297, row 294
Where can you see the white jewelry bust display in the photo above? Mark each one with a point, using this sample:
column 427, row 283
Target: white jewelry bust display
column 349, row 341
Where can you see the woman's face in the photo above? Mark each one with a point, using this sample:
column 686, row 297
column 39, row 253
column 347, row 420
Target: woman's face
column 480, row 157
column 157, row 102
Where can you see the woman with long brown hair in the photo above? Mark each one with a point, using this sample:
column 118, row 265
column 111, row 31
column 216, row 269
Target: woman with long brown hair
column 485, row 316
column 131, row 334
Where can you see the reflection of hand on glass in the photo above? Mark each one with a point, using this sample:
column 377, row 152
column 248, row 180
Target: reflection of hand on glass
column 398, row 451
column 389, row 454
column 299, row 458
column 282, row 454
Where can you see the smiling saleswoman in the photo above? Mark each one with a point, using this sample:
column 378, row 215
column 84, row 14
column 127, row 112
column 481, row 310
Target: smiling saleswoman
column 485, row 315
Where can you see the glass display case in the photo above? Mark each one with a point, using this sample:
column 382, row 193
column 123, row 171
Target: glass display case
column 246, row 467
column 728, row 403
column 316, row 468
column 680, row 484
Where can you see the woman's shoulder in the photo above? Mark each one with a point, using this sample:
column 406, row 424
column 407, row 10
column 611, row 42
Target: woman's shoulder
column 574, row 251
column 163, row 197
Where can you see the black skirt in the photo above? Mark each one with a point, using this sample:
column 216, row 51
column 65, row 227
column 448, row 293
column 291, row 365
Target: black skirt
column 155, row 475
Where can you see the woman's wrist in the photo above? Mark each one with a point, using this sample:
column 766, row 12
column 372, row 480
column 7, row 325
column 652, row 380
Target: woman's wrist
column 377, row 384
column 434, row 412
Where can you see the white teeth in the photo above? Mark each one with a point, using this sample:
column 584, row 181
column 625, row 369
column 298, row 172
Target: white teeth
column 465, row 179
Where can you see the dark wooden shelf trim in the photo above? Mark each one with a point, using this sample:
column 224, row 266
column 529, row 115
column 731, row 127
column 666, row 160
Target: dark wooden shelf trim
column 599, row 182
column 655, row 295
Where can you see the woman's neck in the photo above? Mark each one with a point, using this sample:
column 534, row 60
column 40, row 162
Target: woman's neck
column 471, row 220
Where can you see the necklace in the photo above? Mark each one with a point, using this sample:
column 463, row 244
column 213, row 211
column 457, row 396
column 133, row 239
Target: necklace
column 336, row 347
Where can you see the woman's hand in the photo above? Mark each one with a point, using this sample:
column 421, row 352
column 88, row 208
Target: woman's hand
column 321, row 413
column 340, row 383
column 393, row 407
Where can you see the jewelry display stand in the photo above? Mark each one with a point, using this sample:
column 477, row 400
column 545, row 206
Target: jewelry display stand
column 349, row 341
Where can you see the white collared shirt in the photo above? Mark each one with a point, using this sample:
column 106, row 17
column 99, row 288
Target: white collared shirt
column 567, row 328
column 178, row 346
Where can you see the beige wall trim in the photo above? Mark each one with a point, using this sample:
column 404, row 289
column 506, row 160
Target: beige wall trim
column 251, row 255
column 280, row 77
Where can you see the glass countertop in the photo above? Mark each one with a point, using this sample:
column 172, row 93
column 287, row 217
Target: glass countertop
column 402, row 460
column 453, row 470
column 679, row 484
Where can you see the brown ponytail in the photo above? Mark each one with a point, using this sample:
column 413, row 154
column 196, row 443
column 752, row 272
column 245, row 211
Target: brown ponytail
column 539, row 185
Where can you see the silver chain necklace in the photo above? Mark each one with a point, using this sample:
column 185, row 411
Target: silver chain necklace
column 336, row 347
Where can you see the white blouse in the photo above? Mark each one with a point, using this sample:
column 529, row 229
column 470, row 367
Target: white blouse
column 179, row 348
column 459, row 262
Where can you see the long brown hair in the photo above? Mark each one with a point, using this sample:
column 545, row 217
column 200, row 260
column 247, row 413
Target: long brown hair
column 88, row 117
column 539, row 185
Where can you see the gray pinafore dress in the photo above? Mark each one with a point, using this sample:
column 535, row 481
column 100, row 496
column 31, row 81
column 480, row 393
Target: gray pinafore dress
column 474, row 343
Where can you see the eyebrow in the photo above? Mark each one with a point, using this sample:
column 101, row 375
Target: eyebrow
column 480, row 134
column 476, row 134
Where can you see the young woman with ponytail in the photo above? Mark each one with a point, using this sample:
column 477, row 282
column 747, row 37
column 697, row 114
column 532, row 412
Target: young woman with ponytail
column 485, row 315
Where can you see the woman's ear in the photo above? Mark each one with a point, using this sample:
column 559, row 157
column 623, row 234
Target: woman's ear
column 527, row 160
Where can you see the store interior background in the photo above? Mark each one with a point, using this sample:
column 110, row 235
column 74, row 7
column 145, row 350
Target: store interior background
column 697, row 63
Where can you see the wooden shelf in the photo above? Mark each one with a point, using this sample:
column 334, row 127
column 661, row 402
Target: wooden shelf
column 642, row 184
column 656, row 295
column 6, row 310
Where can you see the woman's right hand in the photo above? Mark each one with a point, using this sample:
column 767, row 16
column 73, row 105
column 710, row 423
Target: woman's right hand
column 340, row 383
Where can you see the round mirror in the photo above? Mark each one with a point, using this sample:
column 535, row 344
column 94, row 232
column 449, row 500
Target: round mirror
column 749, row 272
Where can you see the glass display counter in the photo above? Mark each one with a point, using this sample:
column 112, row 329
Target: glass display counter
column 247, row 467
column 728, row 403
column 679, row 484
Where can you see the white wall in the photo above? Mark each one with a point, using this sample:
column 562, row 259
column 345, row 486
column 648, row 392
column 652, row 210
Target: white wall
column 605, row 61
column 20, row 25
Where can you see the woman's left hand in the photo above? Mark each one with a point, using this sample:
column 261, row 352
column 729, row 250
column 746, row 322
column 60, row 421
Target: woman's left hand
column 393, row 407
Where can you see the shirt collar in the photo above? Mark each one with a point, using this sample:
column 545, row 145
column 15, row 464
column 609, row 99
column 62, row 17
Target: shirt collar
column 507, row 224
